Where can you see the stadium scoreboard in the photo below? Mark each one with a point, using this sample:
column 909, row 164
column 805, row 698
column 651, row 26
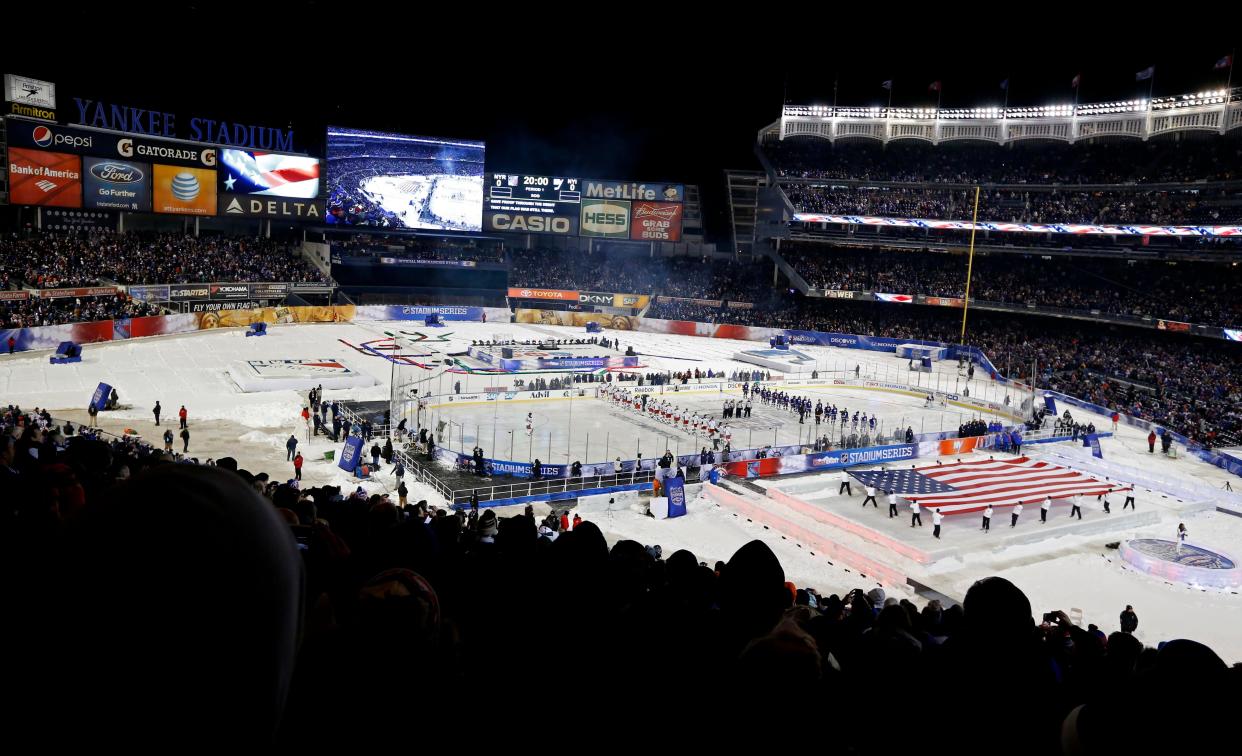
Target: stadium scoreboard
column 532, row 204
column 507, row 189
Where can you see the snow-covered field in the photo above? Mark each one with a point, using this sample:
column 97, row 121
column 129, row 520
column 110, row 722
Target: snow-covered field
column 1069, row 571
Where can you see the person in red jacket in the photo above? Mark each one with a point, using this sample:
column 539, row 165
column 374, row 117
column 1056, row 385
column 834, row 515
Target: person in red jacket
column 1151, row 442
column 577, row 520
column 12, row 344
column 181, row 413
column 1116, row 419
column 564, row 520
column 306, row 415
column 297, row 467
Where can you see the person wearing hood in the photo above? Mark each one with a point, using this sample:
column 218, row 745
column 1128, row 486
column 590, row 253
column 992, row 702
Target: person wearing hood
column 487, row 526
column 217, row 646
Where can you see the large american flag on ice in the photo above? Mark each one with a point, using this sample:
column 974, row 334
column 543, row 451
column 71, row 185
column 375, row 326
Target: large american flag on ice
column 971, row 486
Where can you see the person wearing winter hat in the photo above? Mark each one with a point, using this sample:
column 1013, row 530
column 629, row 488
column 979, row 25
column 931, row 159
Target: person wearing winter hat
column 487, row 526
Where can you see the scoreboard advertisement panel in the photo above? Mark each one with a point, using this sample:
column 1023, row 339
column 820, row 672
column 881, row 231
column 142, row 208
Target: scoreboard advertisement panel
column 567, row 206
column 522, row 203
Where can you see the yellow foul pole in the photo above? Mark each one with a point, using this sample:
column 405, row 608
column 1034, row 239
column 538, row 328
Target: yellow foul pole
column 970, row 266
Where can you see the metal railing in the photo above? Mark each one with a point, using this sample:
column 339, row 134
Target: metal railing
column 548, row 487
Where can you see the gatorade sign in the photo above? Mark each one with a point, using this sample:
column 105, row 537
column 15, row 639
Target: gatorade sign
column 609, row 219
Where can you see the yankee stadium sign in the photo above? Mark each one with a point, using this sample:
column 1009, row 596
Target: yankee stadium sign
column 159, row 123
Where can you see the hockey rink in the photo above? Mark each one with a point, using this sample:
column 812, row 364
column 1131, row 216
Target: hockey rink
column 1066, row 568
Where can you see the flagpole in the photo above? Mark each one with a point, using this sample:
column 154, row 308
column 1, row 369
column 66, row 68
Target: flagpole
column 939, row 97
column 890, row 99
column 970, row 266
column 1006, row 106
column 836, row 79
column 1229, row 81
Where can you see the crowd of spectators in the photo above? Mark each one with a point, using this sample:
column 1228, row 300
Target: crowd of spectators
column 203, row 601
column 1206, row 158
column 461, row 250
column 640, row 273
column 1189, row 384
column 1187, row 206
column 55, row 260
column 28, row 313
column 1196, row 292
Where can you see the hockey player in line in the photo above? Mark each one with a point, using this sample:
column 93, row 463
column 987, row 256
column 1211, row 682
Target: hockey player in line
column 747, row 408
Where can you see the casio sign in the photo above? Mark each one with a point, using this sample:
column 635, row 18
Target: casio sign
column 117, row 173
column 532, row 223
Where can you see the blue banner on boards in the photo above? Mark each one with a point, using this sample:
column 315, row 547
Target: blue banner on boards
column 676, row 488
column 351, row 453
column 100, row 398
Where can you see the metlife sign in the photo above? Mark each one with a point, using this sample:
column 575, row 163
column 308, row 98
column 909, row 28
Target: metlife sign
column 629, row 190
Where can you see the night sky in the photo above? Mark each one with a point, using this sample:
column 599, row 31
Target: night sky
column 655, row 95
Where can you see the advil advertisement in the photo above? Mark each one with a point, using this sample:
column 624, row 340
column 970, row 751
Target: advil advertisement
column 184, row 191
column 655, row 221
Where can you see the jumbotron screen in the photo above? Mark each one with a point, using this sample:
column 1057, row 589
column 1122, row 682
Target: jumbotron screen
column 402, row 181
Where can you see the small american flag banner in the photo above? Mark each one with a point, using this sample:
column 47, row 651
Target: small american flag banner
column 971, row 486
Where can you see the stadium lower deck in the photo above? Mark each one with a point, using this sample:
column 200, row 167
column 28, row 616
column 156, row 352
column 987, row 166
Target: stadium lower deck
column 1067, row 566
